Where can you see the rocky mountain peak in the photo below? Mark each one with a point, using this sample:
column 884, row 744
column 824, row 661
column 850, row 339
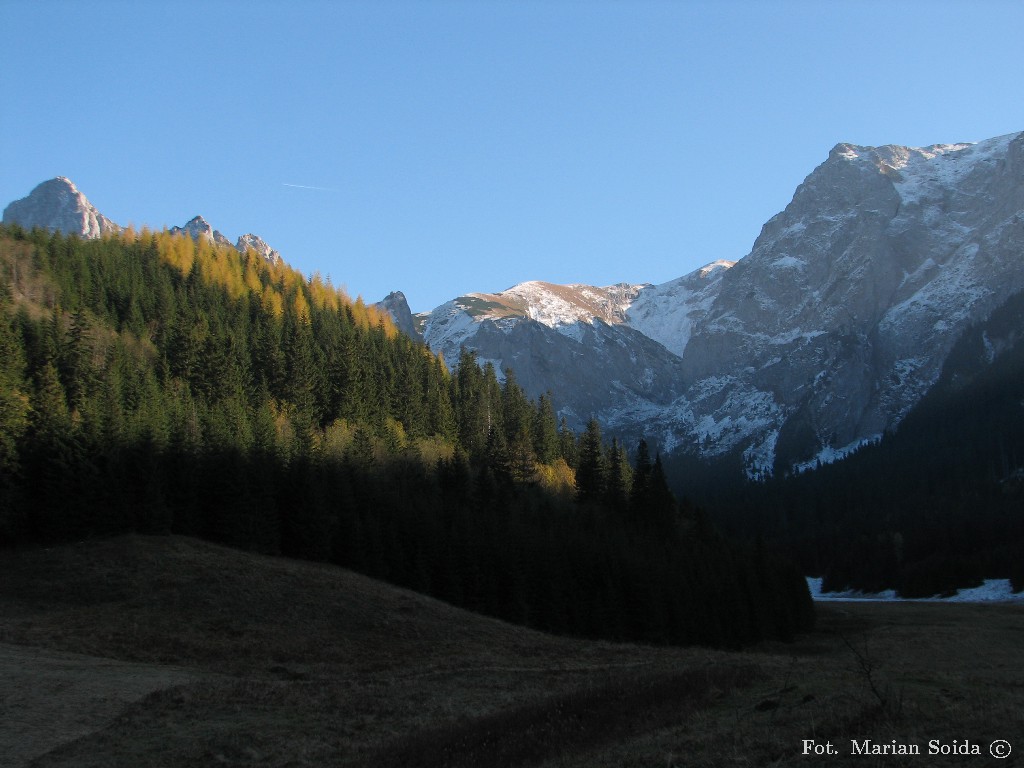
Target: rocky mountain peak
column 396, row 305
column 57, row 205
column 251, row 242
column 198, row 228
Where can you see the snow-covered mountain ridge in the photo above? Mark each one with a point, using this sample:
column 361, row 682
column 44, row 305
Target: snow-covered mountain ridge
column 558, row 307
column 820, row 338
column 663, row 313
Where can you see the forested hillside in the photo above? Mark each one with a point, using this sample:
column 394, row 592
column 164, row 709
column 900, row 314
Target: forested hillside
column 154, row 383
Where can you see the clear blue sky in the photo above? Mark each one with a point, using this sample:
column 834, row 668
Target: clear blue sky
column 448, row 147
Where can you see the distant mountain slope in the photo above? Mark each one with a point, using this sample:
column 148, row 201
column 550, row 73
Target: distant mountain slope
column 668, row 313
column 822, row 337
column 559, row 307
column 572, row 340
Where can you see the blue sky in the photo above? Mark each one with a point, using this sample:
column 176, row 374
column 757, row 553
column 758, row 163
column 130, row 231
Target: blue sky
column 440, row 148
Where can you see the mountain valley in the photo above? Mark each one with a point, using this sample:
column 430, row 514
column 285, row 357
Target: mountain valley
column 853, row 315
column 819, row 340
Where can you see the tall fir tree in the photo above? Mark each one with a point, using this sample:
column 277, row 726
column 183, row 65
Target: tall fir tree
column 567, row 446
column 640, row 492
column 618, row 480
column 591, row 471
column 545, row 431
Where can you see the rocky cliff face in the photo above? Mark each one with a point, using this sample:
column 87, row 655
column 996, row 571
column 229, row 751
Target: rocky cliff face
column 823, row 336
column 57, row 205
column 396, row 305
column 250, row 242
column 843, row 312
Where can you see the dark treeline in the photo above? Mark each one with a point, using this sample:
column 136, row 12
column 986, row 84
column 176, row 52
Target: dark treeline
column 935, row 505
column 151, row 383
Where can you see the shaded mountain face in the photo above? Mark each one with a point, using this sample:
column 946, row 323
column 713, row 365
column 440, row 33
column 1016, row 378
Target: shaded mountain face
column 843, row 312
column 57, row 205
column 396, row 305
column 822, row 337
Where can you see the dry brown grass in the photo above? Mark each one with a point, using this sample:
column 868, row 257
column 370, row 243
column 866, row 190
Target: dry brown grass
column 937, row 671
column 289, row 663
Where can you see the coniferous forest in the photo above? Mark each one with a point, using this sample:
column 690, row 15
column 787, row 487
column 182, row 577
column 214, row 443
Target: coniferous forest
column 152, row 383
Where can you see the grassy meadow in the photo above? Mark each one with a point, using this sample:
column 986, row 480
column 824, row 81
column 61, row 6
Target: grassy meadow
column 167, row 651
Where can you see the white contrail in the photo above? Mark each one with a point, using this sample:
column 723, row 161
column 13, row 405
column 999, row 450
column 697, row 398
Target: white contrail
column 306, row 186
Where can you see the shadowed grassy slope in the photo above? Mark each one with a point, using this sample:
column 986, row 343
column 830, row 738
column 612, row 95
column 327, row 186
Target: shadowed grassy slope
column 303, row 664
column 179, row 600
column 316, row 661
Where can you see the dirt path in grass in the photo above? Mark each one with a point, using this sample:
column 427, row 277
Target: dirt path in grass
column 48, row 698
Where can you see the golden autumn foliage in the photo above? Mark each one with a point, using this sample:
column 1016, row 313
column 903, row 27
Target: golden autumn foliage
column 278, row 285
column 336, row 438
column 558, row 478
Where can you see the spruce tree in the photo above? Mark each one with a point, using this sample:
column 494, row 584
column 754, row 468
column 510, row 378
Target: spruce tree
column 617, row 484
column 440, row 410
column 662, row 508
column 640, row 491
column 471, row 406
column 545, row 431
column 591, row 470
column 567, row 447
column 516, row 409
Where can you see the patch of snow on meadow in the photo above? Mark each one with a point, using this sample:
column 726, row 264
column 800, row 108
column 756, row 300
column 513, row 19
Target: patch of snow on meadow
column 991, row 591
